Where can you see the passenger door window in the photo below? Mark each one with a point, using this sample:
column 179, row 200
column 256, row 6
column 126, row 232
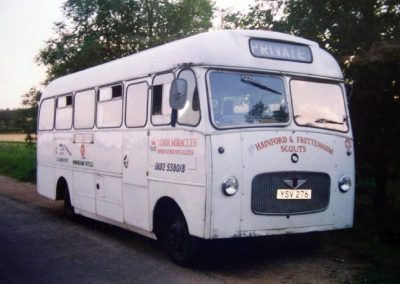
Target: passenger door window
column 136, row 105
column 84, row 108
column 190, row 114
column 160, row 109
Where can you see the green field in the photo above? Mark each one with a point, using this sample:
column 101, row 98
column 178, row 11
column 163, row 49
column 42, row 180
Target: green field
column 18, row 160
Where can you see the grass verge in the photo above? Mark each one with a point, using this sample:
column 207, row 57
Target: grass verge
column 18, row 160
column 375, row 239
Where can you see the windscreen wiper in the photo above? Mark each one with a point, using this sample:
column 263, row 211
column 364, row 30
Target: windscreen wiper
column 251, row 81
column 324, row 120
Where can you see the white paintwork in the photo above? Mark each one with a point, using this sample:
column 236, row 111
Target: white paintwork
column 219, row 48
column 84, row 191
column 114, row 174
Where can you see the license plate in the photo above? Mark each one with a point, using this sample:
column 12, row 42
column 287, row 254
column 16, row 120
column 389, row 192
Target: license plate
column 293, row 194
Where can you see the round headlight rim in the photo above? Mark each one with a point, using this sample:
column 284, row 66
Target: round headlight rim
column 228, row 183
column 344, row 184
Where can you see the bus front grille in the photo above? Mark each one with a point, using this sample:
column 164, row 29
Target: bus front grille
column 265, row 186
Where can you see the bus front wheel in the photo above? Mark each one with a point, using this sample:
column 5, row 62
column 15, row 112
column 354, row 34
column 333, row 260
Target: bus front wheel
column 180, row 245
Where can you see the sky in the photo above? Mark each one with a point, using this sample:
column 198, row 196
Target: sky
column 25, row 25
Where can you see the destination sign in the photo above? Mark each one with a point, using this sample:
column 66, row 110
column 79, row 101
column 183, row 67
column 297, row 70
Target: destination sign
column 280, row 50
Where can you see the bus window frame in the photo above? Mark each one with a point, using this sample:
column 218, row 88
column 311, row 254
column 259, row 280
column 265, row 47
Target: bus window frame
column 94, row 105
column 121, row 83
column 54, row 114
column 65, row 107
column 147, row 103
column 232, row 70
column 151, row 88
column 321, row 81
column 197, row 87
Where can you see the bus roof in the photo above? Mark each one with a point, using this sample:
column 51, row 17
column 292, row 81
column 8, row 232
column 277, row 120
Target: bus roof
column 225, row 48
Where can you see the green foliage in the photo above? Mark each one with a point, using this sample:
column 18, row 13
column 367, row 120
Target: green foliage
column 27, row 118
column 345, row 27
column 18, row 160
column 7, row 124
column 257, row 110
column 375, row 112
column 97, row 31
column 374, row 240
column 22, row 120
column 364, row 36
column 259, row 17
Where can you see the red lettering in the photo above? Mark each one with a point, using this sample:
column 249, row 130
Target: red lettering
column 293, row 149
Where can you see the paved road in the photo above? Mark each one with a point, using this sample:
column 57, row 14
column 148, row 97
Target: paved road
column 38, row 245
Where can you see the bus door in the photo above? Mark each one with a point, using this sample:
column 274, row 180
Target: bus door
column 108, row 161
column 135, row 156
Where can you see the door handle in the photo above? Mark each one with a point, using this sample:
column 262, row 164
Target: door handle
column 126, row 161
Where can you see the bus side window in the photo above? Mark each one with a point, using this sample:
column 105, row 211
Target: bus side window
column 190, row 114
column 84, row 107
column 136, row 105
column 109, row 107
column 160, row 109
column 157, row 100
column 64, row 112
column 46, row 115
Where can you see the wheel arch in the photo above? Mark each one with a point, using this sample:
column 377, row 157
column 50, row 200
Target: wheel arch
column 163, row 205
column 61, row 187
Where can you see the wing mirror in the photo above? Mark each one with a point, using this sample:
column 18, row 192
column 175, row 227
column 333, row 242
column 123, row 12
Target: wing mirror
column 178, row 94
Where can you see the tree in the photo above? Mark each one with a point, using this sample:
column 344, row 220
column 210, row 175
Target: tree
column 259, row 17
column 364, row 36
column 26, row 118
column 97, row 31
column 375, row 109
column 6, row 119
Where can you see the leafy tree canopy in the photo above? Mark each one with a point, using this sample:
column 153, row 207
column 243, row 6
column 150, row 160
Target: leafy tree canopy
column 344, row 27
column 97, row 31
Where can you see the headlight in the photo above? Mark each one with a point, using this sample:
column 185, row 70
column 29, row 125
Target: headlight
column 230, row 186
column 344, row 183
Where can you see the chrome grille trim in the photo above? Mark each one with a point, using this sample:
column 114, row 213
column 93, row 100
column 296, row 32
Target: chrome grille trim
column 264, row 188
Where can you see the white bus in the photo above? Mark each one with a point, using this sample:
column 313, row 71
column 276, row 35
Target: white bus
column 224, row 134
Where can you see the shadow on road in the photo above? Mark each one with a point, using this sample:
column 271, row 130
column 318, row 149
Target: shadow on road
column 228, row 256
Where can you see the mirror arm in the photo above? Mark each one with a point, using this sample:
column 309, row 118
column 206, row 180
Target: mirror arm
column 174, row 117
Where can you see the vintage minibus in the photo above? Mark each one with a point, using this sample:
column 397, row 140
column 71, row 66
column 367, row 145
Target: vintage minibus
column 225, row 134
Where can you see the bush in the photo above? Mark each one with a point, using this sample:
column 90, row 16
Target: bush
column 18, row 160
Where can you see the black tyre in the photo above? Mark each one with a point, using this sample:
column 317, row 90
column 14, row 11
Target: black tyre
column 68, row 209
column 181, row 246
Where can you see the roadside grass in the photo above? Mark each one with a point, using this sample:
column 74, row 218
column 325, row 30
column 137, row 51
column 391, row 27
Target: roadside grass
column 18, row 160
column 374, row 240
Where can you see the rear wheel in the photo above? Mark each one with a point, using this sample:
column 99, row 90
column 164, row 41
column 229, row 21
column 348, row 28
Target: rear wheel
column 180, row 245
